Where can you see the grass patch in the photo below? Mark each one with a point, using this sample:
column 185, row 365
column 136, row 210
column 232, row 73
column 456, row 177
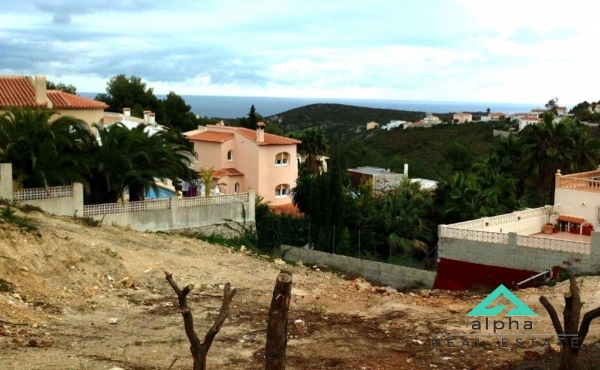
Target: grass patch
column 89, row 221
column 8, row 213
column 5, row 286
column 404, row 260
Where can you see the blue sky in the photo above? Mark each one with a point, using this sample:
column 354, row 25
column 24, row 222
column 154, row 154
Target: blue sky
column 453, row 50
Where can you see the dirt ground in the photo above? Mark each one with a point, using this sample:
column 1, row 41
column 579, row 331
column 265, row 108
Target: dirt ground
column 60, row 309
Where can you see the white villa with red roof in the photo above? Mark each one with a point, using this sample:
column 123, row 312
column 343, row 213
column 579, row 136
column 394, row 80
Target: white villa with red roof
column 247, row 159
column 24, row 91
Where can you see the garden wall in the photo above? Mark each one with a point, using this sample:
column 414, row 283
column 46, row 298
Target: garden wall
column 376, row 272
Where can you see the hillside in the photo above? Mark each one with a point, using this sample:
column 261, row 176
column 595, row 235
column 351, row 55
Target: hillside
column 344, row 120
column 58, row 298
column 432, row 152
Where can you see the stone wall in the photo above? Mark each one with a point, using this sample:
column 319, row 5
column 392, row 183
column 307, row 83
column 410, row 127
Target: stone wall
column 376, row 272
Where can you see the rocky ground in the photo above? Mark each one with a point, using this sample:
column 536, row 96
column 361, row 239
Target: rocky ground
column 74, row 296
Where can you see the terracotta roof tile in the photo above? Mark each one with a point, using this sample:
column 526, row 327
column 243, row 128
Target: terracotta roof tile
column 227, row 172
column 572, row 219
column 288, row 209
column 63, row 100
column 212, row 136
column 270, row 139
column 19, row 91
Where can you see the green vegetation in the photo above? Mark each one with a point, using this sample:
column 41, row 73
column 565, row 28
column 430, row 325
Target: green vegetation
column 61, row 86
column 48, row 153
column 478, row 176
column 8, row 213
column 338, row 119
column 132, row 92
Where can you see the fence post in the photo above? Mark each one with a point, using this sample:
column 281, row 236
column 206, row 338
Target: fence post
column 174, row 205
column 250, row 214
column 6, row 184
column 77, row 194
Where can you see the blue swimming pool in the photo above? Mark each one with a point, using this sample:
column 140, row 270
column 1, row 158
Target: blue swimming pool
column 162, row 193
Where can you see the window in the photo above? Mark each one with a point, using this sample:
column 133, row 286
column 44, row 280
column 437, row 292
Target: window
column 230, row 155
column 282, row 190
column 282, row 159
column 236, row 187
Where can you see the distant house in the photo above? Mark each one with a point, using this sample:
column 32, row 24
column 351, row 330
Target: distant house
column 430, row 119
column 131, row 122
column 245, row 159
column 24, row 91
column 561, row 111
column 382, row 179
column 525, row 120
column 462, row 117
column 538, row 111
column 372, row 125
column 393, row 124
column 494, row 117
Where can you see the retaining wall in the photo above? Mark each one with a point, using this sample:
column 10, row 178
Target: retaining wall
column 372, row 271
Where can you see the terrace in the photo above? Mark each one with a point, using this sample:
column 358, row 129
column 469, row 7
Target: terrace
column 527, row 225
column 583, row 181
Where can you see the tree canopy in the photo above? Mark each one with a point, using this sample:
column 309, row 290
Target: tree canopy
column 71, row 89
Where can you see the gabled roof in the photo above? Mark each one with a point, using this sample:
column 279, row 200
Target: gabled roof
column 19, row 91
column 269, row 139
column 227, row 172
column 63, row 100
column 212, row 136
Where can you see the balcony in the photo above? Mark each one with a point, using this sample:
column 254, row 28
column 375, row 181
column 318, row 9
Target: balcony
column 584, row 181
column 527, row 226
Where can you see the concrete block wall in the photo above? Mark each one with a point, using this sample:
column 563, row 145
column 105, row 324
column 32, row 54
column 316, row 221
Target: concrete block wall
column 514, row 256
column 372, row 271
column 67, row 206
column 177, row 218
column 6, row 182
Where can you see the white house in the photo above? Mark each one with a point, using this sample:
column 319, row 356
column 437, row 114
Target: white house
column 393, row 124
column 510, row 248
column 526, row 120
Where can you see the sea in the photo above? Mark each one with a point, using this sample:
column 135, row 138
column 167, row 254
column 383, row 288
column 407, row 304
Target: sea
column 239, row 106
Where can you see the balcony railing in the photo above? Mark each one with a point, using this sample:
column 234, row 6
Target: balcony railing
column 585, row 181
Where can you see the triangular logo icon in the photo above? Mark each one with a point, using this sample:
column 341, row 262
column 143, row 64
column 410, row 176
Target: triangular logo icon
column 483, row 310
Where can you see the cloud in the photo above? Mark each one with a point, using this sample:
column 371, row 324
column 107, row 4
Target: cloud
column 439, row 49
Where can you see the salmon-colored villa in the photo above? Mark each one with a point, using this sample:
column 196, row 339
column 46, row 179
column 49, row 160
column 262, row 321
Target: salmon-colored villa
column 24, row 91
column 245, row 159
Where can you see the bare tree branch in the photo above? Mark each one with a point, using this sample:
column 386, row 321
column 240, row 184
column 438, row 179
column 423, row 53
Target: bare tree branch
column 585, row 323
column 553, row 316
column 198, row 349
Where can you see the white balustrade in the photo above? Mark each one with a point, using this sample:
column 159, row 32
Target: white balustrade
column 43, row 193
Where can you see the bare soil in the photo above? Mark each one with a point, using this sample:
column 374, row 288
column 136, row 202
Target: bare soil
column 58, row 299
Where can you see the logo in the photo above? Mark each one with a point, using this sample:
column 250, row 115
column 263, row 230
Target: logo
column 504, row 331
column 482, row 309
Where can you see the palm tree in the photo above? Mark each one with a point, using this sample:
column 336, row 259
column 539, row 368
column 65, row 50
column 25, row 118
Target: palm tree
column 135, row 160
column 404, row 218
column 313, row 148
column 550, row 146
column 44, row 152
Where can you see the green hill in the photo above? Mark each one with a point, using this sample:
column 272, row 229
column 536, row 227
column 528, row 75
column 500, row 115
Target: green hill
column 347, row 121
column 430, row 152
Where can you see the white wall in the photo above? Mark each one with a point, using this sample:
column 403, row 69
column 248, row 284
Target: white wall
column 579, row 203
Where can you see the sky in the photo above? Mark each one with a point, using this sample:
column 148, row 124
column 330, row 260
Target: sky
column 520, row 51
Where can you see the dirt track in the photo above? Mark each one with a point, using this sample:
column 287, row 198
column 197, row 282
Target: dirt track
column 60, row 285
